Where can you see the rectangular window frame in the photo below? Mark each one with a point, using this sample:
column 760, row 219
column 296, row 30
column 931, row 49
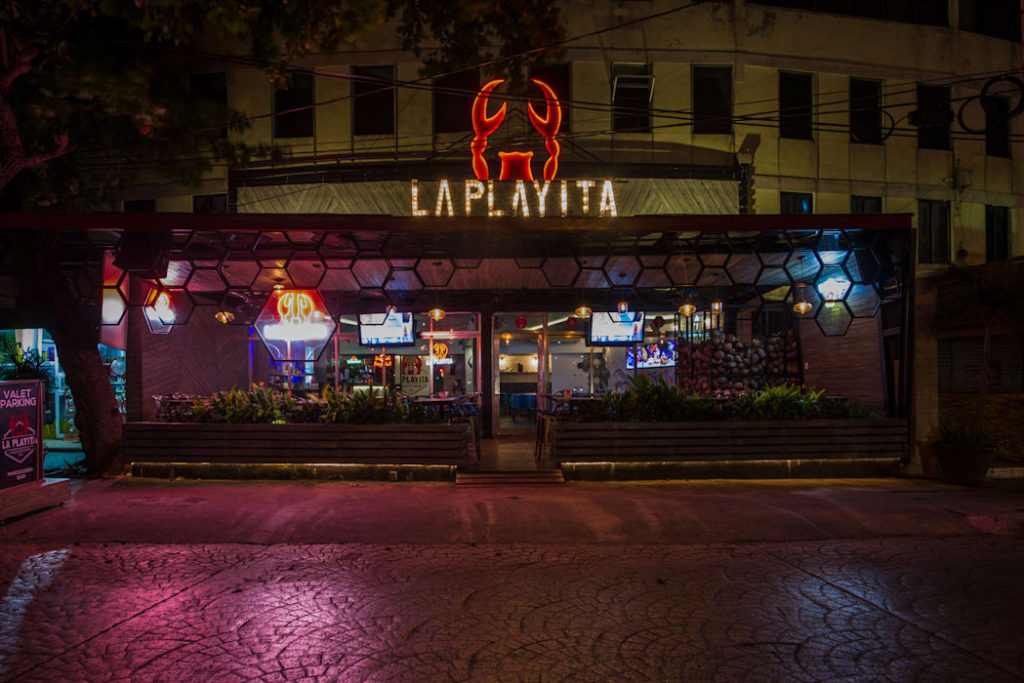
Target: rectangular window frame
column 997, row 128
column 933, row 234
column 863, row 205
column 296, row 124
column 997, row 233
column 559, row 76
column 933, row 122
column 794, row 203
column 796, row 105
column 453, row 96
column 712, row 117
column 374, row 100
column 632, row 94
column 866, row 111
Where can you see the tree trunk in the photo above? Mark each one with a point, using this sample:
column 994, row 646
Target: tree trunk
column 45, row 296
column 986, row 344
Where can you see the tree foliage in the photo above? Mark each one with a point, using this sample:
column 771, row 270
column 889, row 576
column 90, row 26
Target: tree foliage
column 95, row 92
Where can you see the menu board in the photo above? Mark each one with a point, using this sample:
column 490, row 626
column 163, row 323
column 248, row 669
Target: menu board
column 21, row 427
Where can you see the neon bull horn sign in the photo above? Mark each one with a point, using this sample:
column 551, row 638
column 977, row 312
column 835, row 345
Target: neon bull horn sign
column 294, row 325
column 515, row 165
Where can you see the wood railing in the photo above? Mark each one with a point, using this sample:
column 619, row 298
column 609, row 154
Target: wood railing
column 443, row 444
column 875, row 439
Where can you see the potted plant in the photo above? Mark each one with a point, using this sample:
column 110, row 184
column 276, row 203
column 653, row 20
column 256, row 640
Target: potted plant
column 965, row 453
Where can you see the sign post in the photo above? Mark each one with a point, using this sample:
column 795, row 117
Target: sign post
column 22, row 487
column 21, row 427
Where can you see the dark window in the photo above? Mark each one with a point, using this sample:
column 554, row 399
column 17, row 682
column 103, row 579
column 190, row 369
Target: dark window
column 796, row 94
column 712, row 99
column 933, row 116
column 932, row 12
column 996, row 18
column 453, row 102
column 210, row 203
column 796, row 203
column 932, row 231
column 631, row 97
column 997, row 127
column 863, row 205
column 210, row 92
column 559, row 77
column 293, row 107
column 997, row 233
column 865, row 111
column 140, row 205
column 373, row 100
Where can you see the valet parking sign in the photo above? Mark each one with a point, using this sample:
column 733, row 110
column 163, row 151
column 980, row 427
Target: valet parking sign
column 21, row 446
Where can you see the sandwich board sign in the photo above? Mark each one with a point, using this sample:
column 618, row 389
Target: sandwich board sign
column 21, row 432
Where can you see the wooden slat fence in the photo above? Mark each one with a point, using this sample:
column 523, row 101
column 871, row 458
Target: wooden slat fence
column 443, row 444
column 710, row 441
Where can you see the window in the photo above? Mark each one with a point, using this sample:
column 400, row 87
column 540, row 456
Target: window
column 997, row 233
column 865, row 111
column 293, row 107
column 559, row 77
column 210, row 92
column 453, row 102
column 865, row 205
column 997, row 127
column 933, row 117
column 210, row 203
column 995, row 18
column 373, row 100
column 712, row 99
column 796, row 92
column 139, row 205
column 932, row 231
column 632, row 87
column 796, row 203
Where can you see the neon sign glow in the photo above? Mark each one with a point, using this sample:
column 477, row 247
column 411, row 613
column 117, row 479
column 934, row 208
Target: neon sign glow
column 300, row 319
column 294, row 325
column 513, row 196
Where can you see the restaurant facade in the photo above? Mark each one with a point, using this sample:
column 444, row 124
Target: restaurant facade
column 719, row 199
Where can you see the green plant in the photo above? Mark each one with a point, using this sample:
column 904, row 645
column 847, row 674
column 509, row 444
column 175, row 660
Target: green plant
column 17, row 363
column 782, row 402
column 964, row 435
column 646, row 400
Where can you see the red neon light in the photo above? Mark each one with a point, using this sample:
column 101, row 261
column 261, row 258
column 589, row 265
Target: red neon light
column 548, row 127
column 484, row 126
column 515, row 165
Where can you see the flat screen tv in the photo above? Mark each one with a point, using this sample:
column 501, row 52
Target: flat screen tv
column 660, row 354
column 387, row 329
column 611, row 328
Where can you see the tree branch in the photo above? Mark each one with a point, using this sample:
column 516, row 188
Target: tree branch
column 22, row 65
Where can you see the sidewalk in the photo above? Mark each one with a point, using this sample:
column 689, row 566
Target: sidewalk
column 153, row 511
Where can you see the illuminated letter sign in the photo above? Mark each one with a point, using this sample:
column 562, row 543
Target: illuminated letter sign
column 294, row 325
column 159, row 312
column 514, row 199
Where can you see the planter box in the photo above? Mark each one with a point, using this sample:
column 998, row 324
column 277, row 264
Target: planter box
column 443, row 444
column 725, row 441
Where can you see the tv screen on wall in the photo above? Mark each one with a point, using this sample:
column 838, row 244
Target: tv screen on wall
column 387, row 329
column 611, row 328
column 657, row 355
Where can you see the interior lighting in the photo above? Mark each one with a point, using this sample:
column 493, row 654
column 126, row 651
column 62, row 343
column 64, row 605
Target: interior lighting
column 583, row 311
column 623, row 307
column 716, row 307
column 436, row 314
column 802, row 299
column 687, row 309
column 833, row 289
column 224, row 316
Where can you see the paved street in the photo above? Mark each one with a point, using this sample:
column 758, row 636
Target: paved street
column 941, row 604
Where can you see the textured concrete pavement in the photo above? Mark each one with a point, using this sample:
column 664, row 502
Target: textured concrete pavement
column 893, row 609
column 711, row 581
